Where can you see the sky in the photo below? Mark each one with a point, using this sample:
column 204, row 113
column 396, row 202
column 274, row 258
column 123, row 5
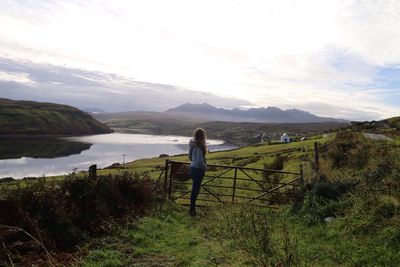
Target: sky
column 332, row 58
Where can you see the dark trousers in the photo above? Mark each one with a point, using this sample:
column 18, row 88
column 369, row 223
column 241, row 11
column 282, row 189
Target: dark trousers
column 197, row 175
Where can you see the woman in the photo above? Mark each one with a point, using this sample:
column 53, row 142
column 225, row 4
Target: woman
column 197, row 156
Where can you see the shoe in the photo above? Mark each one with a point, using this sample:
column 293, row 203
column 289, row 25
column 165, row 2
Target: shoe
column 192, row 212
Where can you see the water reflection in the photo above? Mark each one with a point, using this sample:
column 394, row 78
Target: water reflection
column 43, row 156
column 131, row 139
column 16, row 148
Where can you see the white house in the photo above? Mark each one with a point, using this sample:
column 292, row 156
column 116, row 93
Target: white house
column 285, row 138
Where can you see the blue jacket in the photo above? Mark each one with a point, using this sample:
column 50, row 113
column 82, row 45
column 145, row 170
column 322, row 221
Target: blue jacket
column 196, row 156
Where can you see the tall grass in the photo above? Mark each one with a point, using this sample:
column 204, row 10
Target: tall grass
column 252, row 231
column 358, row 189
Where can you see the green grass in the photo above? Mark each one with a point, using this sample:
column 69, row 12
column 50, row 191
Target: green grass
column 252, row 156
column 169, row 237
column 105, row 258
column 328, row 245
column 322, row 244
column 362, row 235
column 397, row 140
column 263, row 150
column 365, row 233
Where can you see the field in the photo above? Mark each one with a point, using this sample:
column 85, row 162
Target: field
column 364, row 230
column 349, row 216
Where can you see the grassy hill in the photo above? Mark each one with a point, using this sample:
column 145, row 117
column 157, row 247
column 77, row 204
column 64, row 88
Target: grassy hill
column 389, row 126
column 357, row 191
column 36, row 118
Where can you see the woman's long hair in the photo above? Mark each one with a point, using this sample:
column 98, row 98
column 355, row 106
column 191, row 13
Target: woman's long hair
column 199, row 138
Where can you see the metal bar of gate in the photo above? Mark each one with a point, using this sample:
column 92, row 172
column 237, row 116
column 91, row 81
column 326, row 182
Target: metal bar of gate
column 273, row 189
column 234, row 186
column 244, row 168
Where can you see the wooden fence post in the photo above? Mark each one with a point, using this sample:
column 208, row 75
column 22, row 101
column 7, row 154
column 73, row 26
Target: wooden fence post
column 234, row 186
column 316, row 160
column 170, row 183
column 166, row 176
column 93, row 172
column 301, row 174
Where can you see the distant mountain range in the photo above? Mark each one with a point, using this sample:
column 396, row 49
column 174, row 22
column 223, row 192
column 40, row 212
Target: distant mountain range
column 270, row 114
column 237, row 132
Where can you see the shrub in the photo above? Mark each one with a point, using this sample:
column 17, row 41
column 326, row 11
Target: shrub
column 349, row 149
column 329, row 190
column 277, row 164
column 320, row 199
column 62, row 216
column 385, row 209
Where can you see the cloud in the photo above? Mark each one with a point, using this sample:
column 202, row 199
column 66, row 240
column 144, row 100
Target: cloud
column 331, row 78
column 85, row 89
column 17, row 77
column 286, row 53
column 371, row 30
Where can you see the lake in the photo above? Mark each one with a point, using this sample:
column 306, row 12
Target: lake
column 33, row 157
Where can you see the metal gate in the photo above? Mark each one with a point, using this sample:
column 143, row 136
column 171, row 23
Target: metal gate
column 223, row 184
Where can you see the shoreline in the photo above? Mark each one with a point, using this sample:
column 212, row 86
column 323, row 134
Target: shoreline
column 223, row 146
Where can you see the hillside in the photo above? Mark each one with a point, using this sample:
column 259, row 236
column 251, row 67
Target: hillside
column 144, row 115
column 269, row 114
column 348, row 216
column 389, row 126
column 36, row 118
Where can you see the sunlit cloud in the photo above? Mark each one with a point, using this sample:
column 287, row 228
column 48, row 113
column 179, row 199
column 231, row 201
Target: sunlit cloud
column 333, row 58
column 16, row 77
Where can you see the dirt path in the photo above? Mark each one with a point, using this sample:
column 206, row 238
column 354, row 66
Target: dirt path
column 378, row 137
